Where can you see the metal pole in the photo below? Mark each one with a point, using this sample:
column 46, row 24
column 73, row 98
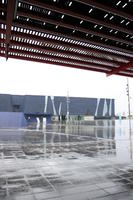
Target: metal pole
column 68, row 100
column 129, row 111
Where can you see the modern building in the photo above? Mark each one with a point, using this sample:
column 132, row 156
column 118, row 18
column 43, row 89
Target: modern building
column 34, row 109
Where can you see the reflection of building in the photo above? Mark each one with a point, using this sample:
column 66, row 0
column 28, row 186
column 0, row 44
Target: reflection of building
column 93, row 140
column 35, row 108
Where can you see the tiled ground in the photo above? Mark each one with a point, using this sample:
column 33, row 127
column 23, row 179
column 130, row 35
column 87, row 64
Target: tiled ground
column 75, row 163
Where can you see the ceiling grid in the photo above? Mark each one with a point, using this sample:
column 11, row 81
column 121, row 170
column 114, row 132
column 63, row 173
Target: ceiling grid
column 82, row 34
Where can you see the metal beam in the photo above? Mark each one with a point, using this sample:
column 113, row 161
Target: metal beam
column 62, row 65
column 11, row 5
column 59, row 59
column 98, row 44
column 54, row 63
column 121, row 68
column 78, row 47
column 77, row 15
column 73, row 27
column 2, row 9
column 105, row 8
column 63, row 53
column 81, row 49
column 2, row 21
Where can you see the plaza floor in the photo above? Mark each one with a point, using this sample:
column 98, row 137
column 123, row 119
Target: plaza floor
column 67, row 162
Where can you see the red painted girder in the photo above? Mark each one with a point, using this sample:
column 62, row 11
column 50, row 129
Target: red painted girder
column 66, row 11
column 2, row 21
column 56, row 58
column 73, row 27
column 108, row 9
column 48, row 50
column 54, row 63
column 121, row 68
column 2, row 9
column 103, row 45
column 59, row 64
column 68, row 45
column 9, row 19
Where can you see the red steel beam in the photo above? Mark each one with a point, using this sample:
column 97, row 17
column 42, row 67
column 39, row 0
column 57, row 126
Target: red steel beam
column 121, row 68
column 17, row 34
column 62, row 64
column 2, row 21
column 54, row 63
column 76, row 15
column 73, row 27
column 2, row 9
column 48, row 50
column 68, row 46
column 57, row 58
column 35, row 28
column 108, row 9
column 11, row 5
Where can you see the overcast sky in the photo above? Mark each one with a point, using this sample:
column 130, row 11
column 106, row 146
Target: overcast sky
column 23, row 77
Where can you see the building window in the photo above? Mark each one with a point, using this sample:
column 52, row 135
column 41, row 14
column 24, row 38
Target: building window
column 16, row 108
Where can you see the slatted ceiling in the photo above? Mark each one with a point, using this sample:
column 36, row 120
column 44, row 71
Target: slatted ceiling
column 54, row 37
column 46, row 24
column 83, row 36
column 65, row 56
column 129, row 43
column 51, row 51
column 98, row 15
column 122, row 5
column 70, row 57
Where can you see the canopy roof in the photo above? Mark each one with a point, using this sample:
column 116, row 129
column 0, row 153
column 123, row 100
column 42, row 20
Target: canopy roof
column 92, row 35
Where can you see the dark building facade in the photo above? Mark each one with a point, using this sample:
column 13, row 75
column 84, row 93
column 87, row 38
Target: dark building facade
column 57, row 105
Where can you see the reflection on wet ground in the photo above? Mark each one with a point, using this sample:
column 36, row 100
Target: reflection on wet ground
column 61, row 162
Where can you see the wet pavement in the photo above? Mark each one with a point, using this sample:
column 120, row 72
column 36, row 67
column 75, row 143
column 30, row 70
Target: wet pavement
column 67, row 162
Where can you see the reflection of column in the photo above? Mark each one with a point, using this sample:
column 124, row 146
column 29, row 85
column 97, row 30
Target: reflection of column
column 123, row 150
column 131, row 148
column 53, row 136
column 59, row 141
column 96, row 124
column 44, row 123
column 67, row 129
column 68, row 103
column 96, row 135
column 38, row 123
column 110, row 133
column 105, row 134
column 123, row 143
column 45, row 145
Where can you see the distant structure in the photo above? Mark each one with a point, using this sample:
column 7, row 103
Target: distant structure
column 35, row 108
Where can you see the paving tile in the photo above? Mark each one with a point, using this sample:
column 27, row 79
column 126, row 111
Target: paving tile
column 76, row 166
column 96, row 194
column 115, row 190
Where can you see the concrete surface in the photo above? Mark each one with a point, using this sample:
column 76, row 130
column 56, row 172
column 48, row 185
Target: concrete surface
column 67, row 162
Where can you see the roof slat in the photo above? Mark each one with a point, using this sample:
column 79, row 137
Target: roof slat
column 108, row 9
column 73, row 27
column 9, row 19
column 102, row 46
column 77, row 15
column 50, row 41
